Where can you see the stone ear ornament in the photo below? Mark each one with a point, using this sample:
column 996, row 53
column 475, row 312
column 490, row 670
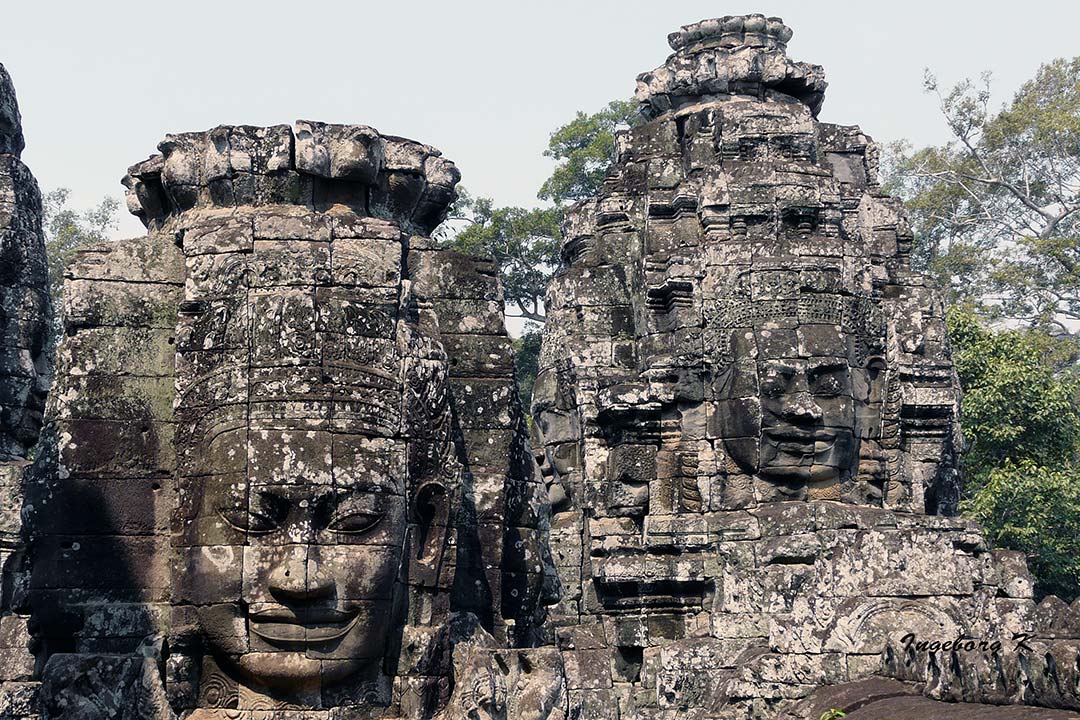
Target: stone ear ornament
column 429, row 528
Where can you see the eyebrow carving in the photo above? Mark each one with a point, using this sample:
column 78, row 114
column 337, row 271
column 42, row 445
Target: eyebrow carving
column 827, row 367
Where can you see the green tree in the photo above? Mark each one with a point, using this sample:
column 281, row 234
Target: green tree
column 527, row 361
column 1020, row 395
column 996, row 215
column 585, row 149
column 1021, row 420
column 1035, row 508
column 67, row 230
column 997, row 209
column 525, row 242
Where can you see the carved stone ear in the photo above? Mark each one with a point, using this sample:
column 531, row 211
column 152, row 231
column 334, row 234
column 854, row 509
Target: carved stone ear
column 429, row 530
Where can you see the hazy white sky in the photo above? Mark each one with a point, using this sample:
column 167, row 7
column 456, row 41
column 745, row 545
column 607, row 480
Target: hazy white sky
column 100, row 83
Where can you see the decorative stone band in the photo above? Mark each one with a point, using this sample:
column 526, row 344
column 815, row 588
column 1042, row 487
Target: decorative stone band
column 859, row 315
column 733, row 55
column 314, row 164
column 366, row 399
column 853, row 313
column 753, row 30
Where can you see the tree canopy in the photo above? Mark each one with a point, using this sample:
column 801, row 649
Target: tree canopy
column 525, row 241
column 524, row 244
column 997, row 209
column 1021, row 421
column 996, row 215
column 584, row 149
column 1021, row 389
column 67, row 230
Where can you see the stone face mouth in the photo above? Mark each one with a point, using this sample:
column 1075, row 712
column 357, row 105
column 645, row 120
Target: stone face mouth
column 814, row 440
column 286, row 627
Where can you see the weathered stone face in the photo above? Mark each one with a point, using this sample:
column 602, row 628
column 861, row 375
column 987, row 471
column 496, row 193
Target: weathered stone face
column 733, row 327
column 746, row 410
column 798, row 398
column 284, row 473
column 296, row 419
column 735, row 321
column 25, row 308
column 25, row 377
column 313, row 440
column 315, row 428
column 316, row 564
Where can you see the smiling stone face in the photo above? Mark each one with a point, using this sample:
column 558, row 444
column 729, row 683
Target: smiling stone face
column 295, row 578
column 803, row 417
column 255, row 438
column 314, row 454
column 798, row 380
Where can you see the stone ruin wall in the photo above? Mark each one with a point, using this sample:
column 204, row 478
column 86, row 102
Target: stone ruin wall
column 308, row 221
column 713, row 562
column 25, row 352
column 745, row 433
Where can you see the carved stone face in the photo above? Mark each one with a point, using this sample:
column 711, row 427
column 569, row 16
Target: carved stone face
column 24, row 374
column 803, row 417
column 296, row 568
column 314, row 453
column 555, row 438
column 797, row 382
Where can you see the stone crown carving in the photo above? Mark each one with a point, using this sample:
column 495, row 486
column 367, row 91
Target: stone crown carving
column 312, row 164
column 732, row 55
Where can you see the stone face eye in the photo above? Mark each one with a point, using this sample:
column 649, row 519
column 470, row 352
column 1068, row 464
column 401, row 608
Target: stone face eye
column 351, row 514
column 775, row 384
column 354, row 522
column 250, row 521
column 265, row 514
column 827, row 385
column 828, row 382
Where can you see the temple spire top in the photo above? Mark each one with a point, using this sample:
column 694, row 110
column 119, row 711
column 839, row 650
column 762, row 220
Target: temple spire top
column 731, row 55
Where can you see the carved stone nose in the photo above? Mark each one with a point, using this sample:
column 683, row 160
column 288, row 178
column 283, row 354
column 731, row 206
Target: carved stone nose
column 801, row 407
column 298, row 578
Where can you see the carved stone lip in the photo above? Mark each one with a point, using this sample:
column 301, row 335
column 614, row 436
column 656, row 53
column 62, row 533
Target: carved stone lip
column 795, row 435
column 283, row 626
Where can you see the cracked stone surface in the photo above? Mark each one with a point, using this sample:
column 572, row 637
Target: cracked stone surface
column 25, row 309
column 284, row 463
column 25, row 375
column 284, row 474
column 747, row 417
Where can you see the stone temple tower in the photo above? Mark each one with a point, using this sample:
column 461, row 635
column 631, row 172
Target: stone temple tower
column 747, row 411
column 286, row 468
column 284, row 473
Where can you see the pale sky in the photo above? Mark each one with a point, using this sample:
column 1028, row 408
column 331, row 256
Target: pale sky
column 100, row 83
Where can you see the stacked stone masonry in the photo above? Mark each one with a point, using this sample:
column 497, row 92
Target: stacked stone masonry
column 284, row 447
column 25, row 374
column 284, row 472
column 748, row 418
